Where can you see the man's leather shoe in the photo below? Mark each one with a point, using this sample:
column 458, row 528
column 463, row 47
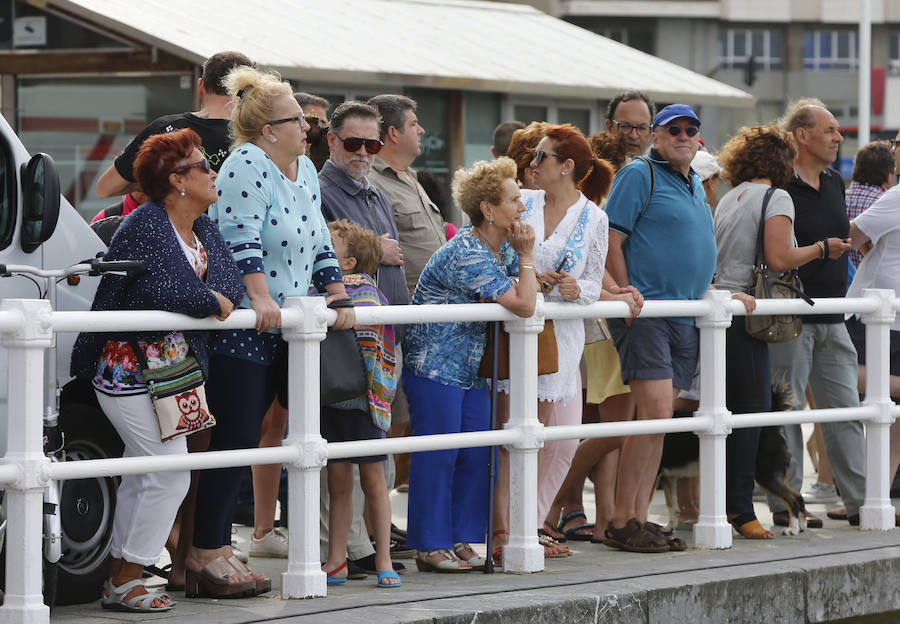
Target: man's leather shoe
column 854, row 520
column 780, row 518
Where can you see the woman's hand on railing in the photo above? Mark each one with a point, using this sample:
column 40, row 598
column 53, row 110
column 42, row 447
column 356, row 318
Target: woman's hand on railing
column 548, row 281
column 225, row 306
column 749, row 301
column 268, row 314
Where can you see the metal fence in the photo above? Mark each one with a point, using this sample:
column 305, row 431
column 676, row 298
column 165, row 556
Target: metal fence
column 28, row 326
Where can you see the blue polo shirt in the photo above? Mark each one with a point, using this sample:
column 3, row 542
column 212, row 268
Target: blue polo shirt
column 670, row 250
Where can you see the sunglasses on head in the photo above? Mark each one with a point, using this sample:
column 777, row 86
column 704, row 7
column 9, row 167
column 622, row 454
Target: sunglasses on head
column 691, row 131
column 203, row 164
column 352, row 144
column 540, row 155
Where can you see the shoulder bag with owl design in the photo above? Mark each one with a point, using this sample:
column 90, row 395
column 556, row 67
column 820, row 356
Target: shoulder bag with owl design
column 178, row 396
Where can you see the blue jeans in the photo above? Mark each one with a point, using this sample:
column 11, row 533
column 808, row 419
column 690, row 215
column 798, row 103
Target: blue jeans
column 823, row 357
column 448, row 490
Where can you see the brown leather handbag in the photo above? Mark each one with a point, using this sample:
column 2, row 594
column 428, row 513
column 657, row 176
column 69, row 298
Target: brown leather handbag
column 548, row 356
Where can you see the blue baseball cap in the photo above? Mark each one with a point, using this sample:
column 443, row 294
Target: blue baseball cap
column 673, row 112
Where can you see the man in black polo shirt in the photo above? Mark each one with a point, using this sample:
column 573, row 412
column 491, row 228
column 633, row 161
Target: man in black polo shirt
column 823, row 355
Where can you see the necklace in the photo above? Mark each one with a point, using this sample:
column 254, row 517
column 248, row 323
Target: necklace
column 480, row 236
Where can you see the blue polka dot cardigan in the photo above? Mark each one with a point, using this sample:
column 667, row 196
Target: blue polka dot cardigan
column 167, row 282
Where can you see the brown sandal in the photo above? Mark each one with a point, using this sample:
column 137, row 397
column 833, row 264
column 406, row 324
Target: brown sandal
column 635, row 537
column 263, row 583
column 213, row 582
column 549, row 544
column 675, row 544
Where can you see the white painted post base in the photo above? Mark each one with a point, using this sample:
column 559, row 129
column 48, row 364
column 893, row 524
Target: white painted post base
column 24, row 600
column 304, row 577
column 877, row 512
column 712, row 529
column 523, row 554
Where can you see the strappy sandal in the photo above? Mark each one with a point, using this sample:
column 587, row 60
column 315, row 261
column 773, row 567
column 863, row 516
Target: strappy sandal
column 142, row 603
column 550, row 545
column 497, row 552
column 675, row 544
column 213, row 581
column 449, row 563
column 573, row 532
column 263, row 583
column 476, row 561
column 635, row 537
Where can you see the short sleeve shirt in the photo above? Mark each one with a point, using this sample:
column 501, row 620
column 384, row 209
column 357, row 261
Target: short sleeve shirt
column 462, row 271
column 880, row 268
column 737, row 227
column 213, row 140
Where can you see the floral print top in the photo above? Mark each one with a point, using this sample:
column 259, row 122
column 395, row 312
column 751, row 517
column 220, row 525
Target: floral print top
column 118, row 370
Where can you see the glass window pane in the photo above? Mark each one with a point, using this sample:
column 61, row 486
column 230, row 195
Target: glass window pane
column 843, row 45
column 758, row 49
column 825, row 45
column 740, row 43
column 578, row 117
column 100, row 117
column 723, row 43
column 482, row 116
column 434, row 115
column 526, row 114
column 776, row 44
column 895, row 47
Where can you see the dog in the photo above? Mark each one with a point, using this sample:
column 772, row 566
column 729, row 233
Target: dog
column 681, row 459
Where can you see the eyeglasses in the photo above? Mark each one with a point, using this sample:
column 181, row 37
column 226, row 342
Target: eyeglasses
column 352, row 144
column 203, row 164
column 540, row 155
column 625, row 128
column 691, row 131
column 893, row 145
column 312, row 120
column 299, row 119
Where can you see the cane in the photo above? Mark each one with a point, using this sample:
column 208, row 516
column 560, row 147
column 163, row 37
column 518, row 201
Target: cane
column 492, row 458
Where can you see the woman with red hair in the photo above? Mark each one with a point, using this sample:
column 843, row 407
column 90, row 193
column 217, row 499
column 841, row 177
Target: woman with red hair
column 571, row 237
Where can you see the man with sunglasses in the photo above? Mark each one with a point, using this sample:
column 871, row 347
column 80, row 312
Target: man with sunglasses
column 629, row 114
column 664, row 244
column 315, row 109
column 210, row 122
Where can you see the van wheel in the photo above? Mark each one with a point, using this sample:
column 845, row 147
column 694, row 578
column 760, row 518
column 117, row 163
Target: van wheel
column 86, row 506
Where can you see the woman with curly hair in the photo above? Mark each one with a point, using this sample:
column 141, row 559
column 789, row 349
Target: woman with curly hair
column 521, row 150
column 756, row 160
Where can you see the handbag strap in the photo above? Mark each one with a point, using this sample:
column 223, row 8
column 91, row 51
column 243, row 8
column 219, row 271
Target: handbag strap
column 139, row 354
column 760, row 245
column 565, row 248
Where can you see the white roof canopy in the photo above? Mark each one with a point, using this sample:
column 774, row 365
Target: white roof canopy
column 451, row 44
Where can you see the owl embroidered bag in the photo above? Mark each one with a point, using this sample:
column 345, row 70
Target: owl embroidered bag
column 178, row 396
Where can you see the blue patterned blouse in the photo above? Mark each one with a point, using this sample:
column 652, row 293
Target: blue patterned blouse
column 462, row 271
column 273, row 226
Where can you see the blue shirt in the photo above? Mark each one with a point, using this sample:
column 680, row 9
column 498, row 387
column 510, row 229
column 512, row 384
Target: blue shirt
column 670, row 250
column 273, row 226
column 462, row 271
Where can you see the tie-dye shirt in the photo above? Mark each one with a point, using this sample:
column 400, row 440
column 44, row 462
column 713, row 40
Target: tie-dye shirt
column 462, row 271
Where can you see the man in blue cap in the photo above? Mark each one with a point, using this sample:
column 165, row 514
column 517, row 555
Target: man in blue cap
column 662, row 242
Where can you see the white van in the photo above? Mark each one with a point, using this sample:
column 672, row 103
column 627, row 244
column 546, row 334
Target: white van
column 38, row 227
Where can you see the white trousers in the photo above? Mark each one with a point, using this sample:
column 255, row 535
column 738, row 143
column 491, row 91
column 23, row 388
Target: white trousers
column 147, row 503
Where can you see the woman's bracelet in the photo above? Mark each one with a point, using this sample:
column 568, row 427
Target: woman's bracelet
column 526, row 266
column 824, row 247
column 821, row 245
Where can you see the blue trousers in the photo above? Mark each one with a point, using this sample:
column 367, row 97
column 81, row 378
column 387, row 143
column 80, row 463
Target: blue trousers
column 448, row 490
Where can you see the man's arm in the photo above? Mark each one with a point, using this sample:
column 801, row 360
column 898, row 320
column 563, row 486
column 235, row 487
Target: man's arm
column 112, row 184
column 615, row 258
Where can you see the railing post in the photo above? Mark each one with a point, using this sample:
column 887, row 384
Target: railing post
column 304, row 577
column 24, row 601
column 712, row 529
column 523, row 553
column 877, row 513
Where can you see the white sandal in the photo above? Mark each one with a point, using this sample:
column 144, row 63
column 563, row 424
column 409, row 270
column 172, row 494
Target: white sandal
column 142, row 603
column 449, row 563
column 477, row 561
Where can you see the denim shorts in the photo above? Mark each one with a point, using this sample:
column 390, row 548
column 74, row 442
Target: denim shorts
column 656, row 348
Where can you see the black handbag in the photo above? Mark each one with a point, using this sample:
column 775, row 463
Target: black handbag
column 766, row 284
column 342, row 370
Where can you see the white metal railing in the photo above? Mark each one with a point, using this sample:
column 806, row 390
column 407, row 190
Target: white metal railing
column 27, row 326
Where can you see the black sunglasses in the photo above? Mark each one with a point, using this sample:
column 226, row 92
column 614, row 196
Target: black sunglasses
column 691, row 131
column 893, row 145
column 203, row 164
column 299, row 119
column 352, row 144
column 540, row 155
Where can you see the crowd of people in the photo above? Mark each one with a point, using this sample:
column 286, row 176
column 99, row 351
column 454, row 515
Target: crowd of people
column 259, row 197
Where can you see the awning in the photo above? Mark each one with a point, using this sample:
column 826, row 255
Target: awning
column 450, row 44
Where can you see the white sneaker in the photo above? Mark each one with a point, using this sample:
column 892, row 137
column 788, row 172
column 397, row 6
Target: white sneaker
column 272, row 544
column 237, row 552
column 820, row 493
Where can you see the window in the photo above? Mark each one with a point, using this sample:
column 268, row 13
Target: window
column 482, row 116
column 578, row 117
column 830, row 49
column 7, row 196
column 895, row 52
column 527, row 113
column 737, row 46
